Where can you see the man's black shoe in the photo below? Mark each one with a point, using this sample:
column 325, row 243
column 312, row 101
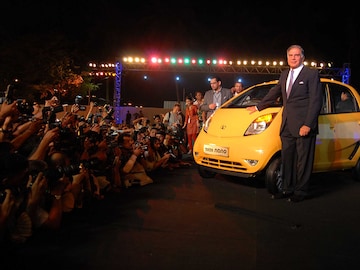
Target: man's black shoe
column 280, row 195
column 296, row 198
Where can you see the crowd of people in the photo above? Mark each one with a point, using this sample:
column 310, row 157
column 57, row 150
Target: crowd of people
column 51, row 166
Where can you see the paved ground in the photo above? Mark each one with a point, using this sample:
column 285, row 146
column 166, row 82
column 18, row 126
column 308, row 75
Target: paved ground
column 185, row 222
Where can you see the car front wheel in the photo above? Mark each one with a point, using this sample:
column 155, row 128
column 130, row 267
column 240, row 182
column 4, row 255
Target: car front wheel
column 273, row 180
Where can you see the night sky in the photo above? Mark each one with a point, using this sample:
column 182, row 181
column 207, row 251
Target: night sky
column 110, row 30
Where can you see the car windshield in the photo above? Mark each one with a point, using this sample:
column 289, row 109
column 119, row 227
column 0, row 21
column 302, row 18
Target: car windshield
column 252, row 97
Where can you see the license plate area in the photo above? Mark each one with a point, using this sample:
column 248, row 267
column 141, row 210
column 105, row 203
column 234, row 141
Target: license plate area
column 216, row 150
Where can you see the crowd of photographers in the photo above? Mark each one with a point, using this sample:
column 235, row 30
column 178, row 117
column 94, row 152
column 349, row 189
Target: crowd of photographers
column 51, row 166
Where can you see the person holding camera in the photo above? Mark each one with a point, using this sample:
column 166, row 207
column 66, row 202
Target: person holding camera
column 155, row 161
column 133, row 162
column 15, row 222
column 173, row 120
column 158, row 123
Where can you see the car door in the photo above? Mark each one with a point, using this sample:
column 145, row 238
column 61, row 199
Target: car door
column 347, row 127
column 338, row 140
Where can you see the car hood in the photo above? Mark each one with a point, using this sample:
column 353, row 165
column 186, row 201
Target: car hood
column 229, row 122
column 233, row 122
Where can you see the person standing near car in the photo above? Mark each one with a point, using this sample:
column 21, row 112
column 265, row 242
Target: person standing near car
column 300, row 89
column 173, row 120
column 237, row 88
column 215, row 97
column 191, row 123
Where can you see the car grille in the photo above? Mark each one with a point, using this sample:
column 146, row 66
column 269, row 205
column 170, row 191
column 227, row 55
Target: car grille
column 223, row 164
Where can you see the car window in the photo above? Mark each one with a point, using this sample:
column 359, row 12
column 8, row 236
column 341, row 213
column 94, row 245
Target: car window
column 341, row 99
column 331, row 98
column 252, row 97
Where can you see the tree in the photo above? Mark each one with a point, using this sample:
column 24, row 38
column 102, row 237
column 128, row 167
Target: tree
column 87, row 87
column 41, row 63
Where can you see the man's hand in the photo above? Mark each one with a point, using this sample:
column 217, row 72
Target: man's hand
column 304, row 131
column 8, row 109
column 212, row 106
column 251, row 109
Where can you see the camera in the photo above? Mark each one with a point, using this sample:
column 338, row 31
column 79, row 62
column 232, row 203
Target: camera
column 78, row 98
column 141, row 145
column 58, row 108
column 107, row 107
column 77, row 101
column 53, row 174
column 49, row 113
column 24, row 107
column 171, row 154
column 91, row 163
column 54, row 125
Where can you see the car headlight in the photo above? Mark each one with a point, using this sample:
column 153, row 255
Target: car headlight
column 260, row 124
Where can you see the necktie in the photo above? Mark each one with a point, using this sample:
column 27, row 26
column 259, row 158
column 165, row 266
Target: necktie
column 290, row 83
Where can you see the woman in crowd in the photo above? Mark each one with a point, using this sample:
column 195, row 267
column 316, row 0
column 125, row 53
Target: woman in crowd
column 191, row 123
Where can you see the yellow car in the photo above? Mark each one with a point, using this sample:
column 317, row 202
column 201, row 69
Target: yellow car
column 235, row 142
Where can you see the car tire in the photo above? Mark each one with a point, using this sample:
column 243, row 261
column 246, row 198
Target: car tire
column 273, row 180
column 204, row 173
column 356, row 171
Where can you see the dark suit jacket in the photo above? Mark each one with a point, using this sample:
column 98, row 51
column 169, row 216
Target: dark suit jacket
column 208, row 99
column 304, row 103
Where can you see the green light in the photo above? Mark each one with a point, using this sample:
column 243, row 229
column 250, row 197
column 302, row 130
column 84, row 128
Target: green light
column 173, row 61
column 200, row 61
column 186, row 61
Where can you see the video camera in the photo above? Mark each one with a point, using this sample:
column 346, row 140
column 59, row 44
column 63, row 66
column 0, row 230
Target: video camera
column 49, row 113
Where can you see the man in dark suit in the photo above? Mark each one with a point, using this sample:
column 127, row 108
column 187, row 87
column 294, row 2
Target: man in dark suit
column 215, row 97
column 302, row 101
